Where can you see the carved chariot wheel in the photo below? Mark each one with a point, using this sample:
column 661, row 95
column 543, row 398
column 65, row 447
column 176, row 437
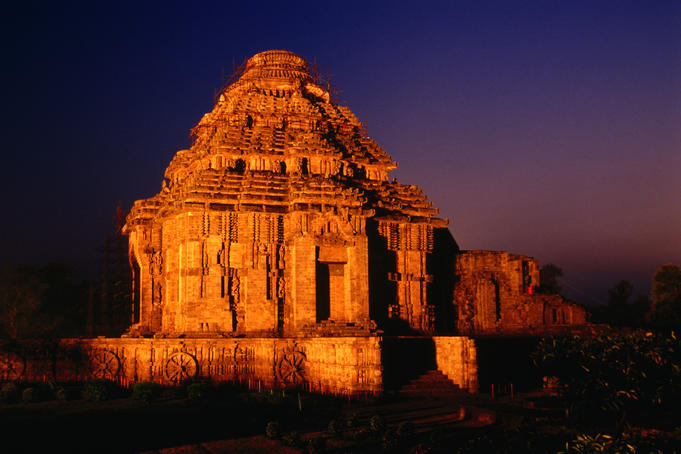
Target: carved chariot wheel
column 104, row 364
column 12, row 366
column 291, row 366
column 181, row 366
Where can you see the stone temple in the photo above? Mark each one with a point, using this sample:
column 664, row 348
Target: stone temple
column 280, row 251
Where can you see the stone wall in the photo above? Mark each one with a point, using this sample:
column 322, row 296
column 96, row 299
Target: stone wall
column 494, row 293
column 339, row 365
column 456, row 357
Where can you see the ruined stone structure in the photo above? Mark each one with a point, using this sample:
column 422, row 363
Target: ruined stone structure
column 279, row 252
column 495, row 294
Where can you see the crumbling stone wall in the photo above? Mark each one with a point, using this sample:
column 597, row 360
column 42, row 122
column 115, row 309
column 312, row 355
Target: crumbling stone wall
column 494, row 293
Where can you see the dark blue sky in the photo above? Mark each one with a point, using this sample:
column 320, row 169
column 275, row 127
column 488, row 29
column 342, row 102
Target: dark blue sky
column 548, row 128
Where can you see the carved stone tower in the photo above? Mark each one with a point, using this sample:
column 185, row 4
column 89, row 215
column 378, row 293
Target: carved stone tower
column 269, row 224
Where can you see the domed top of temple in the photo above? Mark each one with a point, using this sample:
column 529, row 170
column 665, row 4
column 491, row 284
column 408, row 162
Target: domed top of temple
column 276, row 64
column 277, row 122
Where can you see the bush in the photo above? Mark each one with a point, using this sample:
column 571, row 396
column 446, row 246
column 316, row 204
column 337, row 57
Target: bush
column 292, row 439
column 389, row 440
column 377, row 423
column 101, row 389
column 405, row 429
column 61, row 394
column 146, row 391
column 316, row 445
column 199, row 390
column 622, row 377
column 351, row 420
column 334, row 427
column 272, row 430
column 30, row 395
column 9, row 393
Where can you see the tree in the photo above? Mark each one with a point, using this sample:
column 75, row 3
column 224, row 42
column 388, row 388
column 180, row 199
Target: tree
column 548, row 279
column 620, row 294
column 666, row 296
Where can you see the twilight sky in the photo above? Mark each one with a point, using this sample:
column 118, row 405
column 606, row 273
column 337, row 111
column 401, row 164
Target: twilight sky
column 548, row 128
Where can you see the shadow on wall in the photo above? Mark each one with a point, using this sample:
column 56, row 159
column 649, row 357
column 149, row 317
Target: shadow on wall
column 441, row 265
column 404, row 359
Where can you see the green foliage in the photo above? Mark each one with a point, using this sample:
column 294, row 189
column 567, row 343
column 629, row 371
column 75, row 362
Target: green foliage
column 41, row 302
column 146, row 391
column 619, row 295
column 61, row 394
column 351, row 420
column 316, row 445
column 292, row 439
column 334, row 427
column 377, row 423
column 666, row 296
column 199, row 390
column 100, row 389
column 30, row 395
column 617, row 376
column 272, row 430
column 9, row 393
column 627, row 443
column 405, row 429
column 390, row 439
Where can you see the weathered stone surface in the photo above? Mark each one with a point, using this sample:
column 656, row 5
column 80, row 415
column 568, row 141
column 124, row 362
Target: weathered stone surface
column 260, row 228
column 279, row 253
column 495, row 294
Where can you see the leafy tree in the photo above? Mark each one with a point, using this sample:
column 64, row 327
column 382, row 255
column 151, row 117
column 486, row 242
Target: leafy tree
column 620, row 294
column 40, row 302
column 666, row 296
column 548, row 279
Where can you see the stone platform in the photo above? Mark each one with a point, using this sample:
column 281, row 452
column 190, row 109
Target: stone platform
column 336, row 365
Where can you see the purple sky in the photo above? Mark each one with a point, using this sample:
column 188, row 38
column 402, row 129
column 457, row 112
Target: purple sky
column 549, row 128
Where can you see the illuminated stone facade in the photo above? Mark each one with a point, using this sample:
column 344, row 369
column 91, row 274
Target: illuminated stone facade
column 269, row 224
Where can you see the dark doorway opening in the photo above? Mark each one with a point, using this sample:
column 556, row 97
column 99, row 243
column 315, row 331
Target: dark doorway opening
column 323, row 292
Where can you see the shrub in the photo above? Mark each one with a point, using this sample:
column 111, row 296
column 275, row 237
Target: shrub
column 199, row 390
column 30, row 395
column 405, row 429
column 389, row 440
column 359, row 434
column 61, row 394
column 351, row 420
column 316, row 445
column 292, row 439
column 272, row 430
column 620, row 376
column 9, row 393
column 146, row 391
column 377, row 423
column 334, row 427
column 100, row 389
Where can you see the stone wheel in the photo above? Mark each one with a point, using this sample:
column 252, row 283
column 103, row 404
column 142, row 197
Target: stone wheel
column 291, row 367
column 104, row 364
column 12, row 366
column 181, row 366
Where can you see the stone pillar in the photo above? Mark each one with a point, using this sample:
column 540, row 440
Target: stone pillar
column 303, row 277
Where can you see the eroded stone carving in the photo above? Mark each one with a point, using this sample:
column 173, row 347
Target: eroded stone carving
column 181, row 366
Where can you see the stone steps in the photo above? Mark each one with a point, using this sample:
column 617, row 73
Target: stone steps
column 432, row 382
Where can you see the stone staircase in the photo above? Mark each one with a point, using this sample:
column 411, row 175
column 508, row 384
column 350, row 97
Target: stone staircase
column 430, row 383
